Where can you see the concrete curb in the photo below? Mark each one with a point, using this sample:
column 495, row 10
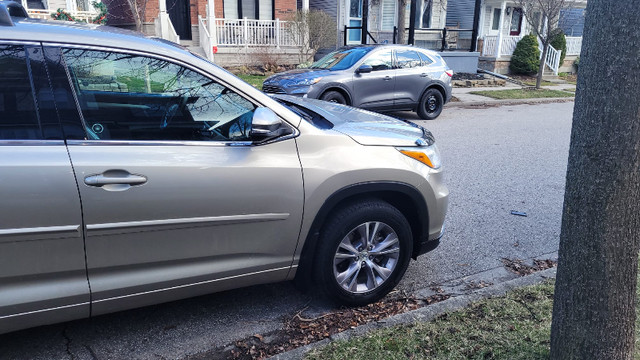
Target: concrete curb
column 426, row 313
column 489, row 103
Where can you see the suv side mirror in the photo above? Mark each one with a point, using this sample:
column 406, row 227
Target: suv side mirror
column 364, row 69
column 266, row 125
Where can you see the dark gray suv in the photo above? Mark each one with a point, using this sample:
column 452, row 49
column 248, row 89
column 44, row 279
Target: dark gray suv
column 375, row 77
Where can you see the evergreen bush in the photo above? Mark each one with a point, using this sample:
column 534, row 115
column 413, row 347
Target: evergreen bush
column 559, row 42
column 526, row 57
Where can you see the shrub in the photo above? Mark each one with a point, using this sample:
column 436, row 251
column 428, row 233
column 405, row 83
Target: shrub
column 576, row 63
column 559, row 42
column 526, row 56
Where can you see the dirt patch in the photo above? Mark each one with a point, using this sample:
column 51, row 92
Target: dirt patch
column 518, row 266
column 300, row 331
column 467, row 76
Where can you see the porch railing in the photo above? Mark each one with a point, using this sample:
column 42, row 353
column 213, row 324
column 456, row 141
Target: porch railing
column 251, row 33
column 508, row 46
column 205, row 38
column 489, row 45
column 46, row 14
column 553, row 59
column 574, row 44
column 164, row 28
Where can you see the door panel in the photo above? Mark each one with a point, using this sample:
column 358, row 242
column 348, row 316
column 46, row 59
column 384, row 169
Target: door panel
column 411, row 77
column 42, row 266
column 374, row 90
column 174, row 196
column 180, row 15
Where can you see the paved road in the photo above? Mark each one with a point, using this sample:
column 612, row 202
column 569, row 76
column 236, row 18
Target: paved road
column 497, row 160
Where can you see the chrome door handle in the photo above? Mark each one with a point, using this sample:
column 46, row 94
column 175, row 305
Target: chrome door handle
column 387, row 78
column 115, row 177
column 424, row 75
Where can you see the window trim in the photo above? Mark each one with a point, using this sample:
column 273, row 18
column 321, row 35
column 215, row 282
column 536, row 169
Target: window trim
column 61, row 46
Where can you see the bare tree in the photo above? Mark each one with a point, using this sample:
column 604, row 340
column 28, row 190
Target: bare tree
column 123, row 12
column 311, row 30
column 595, row 295
column 543, row 17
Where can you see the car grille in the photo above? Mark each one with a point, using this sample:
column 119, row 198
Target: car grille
column 273, row 89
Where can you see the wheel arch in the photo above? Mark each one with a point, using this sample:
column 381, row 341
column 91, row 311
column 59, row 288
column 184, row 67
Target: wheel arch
column 338, row 88
column 406, row 198
column 437, row 86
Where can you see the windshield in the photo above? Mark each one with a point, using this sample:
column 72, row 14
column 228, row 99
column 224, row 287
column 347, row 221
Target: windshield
column 341, row 59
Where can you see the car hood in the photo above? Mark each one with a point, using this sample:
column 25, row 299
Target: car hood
column 296, row 74
column 366, row 127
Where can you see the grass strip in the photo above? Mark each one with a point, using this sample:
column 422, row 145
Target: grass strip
column 514, row 326
column 255, row 80
column 523, row 94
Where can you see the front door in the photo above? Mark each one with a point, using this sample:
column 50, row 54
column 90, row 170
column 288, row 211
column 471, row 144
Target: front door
column 374, row 90
column 176, row 200
column 354, row 19
column 516, row 22
column 180, row 15
column 42, row 266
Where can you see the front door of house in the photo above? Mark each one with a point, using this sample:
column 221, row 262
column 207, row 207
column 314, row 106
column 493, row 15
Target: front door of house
column 180, row 17
column 516, row 22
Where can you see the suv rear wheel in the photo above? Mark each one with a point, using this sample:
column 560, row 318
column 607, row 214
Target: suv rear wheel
column 333, row 96
column 431, row 104
column 364, row 251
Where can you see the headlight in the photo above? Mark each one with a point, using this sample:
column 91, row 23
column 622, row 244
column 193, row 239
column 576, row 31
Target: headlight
column 306, row 81
column 428, row 155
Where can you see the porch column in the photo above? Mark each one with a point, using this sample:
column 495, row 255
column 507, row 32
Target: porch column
column 365, row 21
column 503, row 8
column 162, row 16
column 211, row 23
column 305, row 5
column 412, row 22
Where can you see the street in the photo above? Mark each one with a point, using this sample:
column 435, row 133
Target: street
column 496, row 159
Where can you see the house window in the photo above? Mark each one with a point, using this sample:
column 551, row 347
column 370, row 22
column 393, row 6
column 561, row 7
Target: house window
column 388, row 15
column 516, row 22
column 424, row 14
column 496, row 20
column 250, row 9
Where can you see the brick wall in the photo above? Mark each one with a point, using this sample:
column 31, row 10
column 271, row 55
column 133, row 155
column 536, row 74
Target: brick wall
column 283, row 8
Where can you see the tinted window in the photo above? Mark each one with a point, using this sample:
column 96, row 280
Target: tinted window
column 408, row 59
column 341, row 59
column 425, row 59
column 380, row 60
column 129, row 97
column 18, row 115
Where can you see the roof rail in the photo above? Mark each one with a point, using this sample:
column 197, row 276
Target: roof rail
column 10, row 9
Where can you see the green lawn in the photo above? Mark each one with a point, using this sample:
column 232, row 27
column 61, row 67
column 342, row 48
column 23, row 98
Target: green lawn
column 514, row 326
column 543, row 83
column 523, row 93
column 255, row 80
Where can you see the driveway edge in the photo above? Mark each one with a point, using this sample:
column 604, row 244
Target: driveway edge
column 426, row 313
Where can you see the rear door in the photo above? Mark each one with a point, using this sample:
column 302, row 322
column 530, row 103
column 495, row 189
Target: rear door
column 177, row 201
column 374, row 90
column 42, row 266
column 412, row 77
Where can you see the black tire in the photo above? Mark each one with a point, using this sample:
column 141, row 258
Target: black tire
column 334, row 96
column 339, row 230
column 431, row 104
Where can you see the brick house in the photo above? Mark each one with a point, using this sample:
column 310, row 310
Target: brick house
column 229, row 26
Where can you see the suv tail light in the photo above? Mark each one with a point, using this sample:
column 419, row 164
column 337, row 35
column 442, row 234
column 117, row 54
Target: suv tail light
column 449, row 72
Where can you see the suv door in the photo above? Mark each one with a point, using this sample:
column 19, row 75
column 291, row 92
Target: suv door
column 374, row 90
column 42, row 267
column 176, row 199
column 412, row 77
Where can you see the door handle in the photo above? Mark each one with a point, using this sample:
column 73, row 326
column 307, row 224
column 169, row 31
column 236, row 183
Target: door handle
column 115, row 180
column 386, row 78
column 424, row 75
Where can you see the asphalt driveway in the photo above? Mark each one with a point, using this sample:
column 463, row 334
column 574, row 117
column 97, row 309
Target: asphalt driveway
column 497, row 159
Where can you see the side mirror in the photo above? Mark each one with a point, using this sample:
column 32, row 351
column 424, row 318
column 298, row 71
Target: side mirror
column 266, row 125
column 364, row 69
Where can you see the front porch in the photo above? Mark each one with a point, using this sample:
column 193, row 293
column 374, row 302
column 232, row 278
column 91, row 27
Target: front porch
column 42, row 9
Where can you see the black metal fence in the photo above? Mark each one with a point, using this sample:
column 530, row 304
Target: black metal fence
column 346, row 32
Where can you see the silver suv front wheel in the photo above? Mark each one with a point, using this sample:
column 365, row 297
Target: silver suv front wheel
column 364, row 250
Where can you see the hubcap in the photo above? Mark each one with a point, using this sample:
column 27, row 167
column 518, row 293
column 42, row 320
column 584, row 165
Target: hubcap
column 366, row 257
column 432, row 103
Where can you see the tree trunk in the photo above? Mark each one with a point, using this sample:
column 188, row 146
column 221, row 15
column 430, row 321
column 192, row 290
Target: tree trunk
column 595, row 295
column 402, row 16
column 545, row 50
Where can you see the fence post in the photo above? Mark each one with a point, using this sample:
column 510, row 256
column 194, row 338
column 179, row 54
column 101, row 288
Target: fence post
column 277, row 33
column 345, row 35
column 444, row 39
column 395, row 33
column 245, row 32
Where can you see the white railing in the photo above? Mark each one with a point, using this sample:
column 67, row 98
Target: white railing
column 489, row 45
column 164, row 28
column 509, row 45
column 252, row 33
column 46, row 14
column 553, row 59
column 205, row 38
column 574, row 44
